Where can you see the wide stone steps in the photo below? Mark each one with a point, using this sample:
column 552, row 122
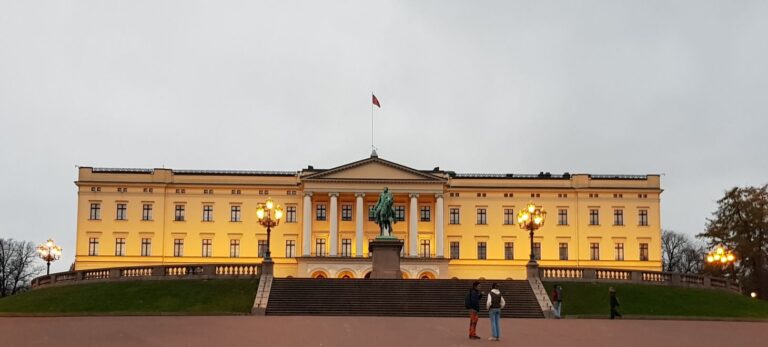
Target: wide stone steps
column 378, row 297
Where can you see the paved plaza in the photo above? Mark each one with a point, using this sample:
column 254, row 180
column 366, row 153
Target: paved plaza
column 367, row 331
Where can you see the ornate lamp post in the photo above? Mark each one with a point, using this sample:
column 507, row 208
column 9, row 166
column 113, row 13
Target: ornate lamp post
column 269, row 216
column 49, row 252
column 722, row 256
column 531, row 218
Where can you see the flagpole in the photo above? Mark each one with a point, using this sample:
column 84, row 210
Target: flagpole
column 372, row 147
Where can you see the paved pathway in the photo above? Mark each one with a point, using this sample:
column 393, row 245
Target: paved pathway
column 367, row 331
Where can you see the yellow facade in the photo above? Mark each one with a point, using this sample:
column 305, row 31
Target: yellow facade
column 450, row 210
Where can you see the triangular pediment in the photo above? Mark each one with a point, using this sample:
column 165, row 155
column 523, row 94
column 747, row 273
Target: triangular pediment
column 374, row 169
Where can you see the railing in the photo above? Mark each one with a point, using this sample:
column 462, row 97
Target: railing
column 176, row 271
column 636, row 276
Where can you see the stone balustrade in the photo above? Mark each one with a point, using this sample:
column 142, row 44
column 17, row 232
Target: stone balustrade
column 636, row 276
column 176, row 271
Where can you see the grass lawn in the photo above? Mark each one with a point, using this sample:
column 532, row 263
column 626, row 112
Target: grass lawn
column 588, row 299
column 221, row 296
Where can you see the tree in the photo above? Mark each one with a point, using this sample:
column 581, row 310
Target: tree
column 741, row 224
column 17, row 266
column 672, row 246
column 693, row 259
column 680, row 254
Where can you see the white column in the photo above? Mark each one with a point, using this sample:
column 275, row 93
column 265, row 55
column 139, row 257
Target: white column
column 359, row 208
column 413, row 230
column 439, row 225
column 307, row 220
column 333, row 215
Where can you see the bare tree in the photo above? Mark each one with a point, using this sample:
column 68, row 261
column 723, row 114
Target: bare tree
column 17, row 266
column 672, row 246
column 692, row 260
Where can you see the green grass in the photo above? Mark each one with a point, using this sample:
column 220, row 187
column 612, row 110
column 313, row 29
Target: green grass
column 222, row 296
column 588, row 299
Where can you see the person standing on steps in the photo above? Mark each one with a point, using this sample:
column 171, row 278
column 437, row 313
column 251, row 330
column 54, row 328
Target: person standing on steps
column 494, row 304
column 557, row 300
column 614, row 303
column 472, row 303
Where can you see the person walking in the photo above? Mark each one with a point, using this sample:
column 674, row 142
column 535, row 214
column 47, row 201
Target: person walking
column 472, row 303
column 494, row 304
column 557, row 300
column 614, row 303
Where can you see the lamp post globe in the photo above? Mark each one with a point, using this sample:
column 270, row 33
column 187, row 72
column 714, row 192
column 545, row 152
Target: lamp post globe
column 268, row 215
column 722, row 257
column 49, row 252
column 531, row 218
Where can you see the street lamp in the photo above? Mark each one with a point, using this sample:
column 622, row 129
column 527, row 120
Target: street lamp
column 266, row 218
column 722, row 256
column 531, row 218
column 49, row 252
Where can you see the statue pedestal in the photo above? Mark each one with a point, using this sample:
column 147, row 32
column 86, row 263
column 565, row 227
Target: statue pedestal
column 386, row 258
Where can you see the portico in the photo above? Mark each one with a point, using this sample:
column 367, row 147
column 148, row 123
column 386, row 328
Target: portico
column 337, row 204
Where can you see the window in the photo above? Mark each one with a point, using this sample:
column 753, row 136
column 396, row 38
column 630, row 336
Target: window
column 400, row 213
column 119, row 246
column 371, row 217
column 619, row 251
column 95, row 211
column 346, row 212
column 346, row 247
column 644, row 252
column 320, row 247
column 642, row 218
column 482, row 217
column 290, row 214
column 146, row 247
column 481, row 250
column 594, row 217
column 509, row 216
column 208, row 213
column 618, row 217
column 121, row 212
column 594, row 251
column 93, row 246
column 562, row 216
column 509, row 250
column 537, row 250
column 320, row 212
column 424, row 249
column 207, row 248
column 290, row 248
column 146, row 212
column 454, row 214
column 234, row 248
column 425, row 214
column 563, row 251
column 454, row 249
column 179, row 216
column 262, row 250
column 178, row 248
column 234, row 213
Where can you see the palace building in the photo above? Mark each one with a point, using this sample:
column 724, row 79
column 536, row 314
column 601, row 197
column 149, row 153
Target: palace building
column 451, row 224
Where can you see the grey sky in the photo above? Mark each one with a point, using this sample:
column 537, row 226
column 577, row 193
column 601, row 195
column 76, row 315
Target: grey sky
column 629, row 87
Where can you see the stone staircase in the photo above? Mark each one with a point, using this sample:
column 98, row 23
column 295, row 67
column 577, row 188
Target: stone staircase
column 392, row 297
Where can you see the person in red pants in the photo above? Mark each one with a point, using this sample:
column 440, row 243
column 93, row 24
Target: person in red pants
column 472, row 303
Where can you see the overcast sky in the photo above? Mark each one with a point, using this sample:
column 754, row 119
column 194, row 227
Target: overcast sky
column 678, row 88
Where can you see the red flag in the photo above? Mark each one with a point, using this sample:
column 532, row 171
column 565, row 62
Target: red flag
column 376, row 101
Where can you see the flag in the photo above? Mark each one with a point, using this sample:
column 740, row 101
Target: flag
column 376, row 101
